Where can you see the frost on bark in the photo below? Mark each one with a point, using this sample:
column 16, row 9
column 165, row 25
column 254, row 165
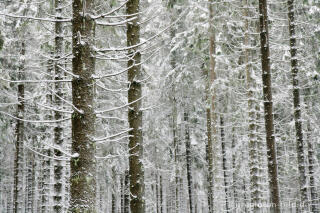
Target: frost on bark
column 136, row 171
column 83, row 163
column 296, row 106
column 19, row 131
column 58, row 129
column 268, row 108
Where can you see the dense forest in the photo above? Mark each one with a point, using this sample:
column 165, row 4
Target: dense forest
column 159, row 106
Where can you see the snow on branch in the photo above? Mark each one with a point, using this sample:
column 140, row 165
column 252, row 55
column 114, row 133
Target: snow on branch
column 112, row 136
column 35, row 18
column 35, row 121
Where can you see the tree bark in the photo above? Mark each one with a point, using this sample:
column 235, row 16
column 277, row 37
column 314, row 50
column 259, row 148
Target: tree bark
column 19, row 131
column 296, row 106
column 83, row 163
column 268, row 108
column 136, row 170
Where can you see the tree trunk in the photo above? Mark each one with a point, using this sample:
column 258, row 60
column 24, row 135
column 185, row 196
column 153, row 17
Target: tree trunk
column 161, row 195
column 314, row 204
column 234, row 170
column 254, row 151
column 30, row 181
column 83, row 163
column 188, row 159
column 19, row 131
column 224, row 162
column 45, row 191
column 136, row 171
column 268, row 111
column 211, row 117
column 126, row 192
column 296, row 106
column 58, row 129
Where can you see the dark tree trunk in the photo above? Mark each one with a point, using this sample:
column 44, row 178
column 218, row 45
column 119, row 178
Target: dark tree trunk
column 188, row 159
column 83, row 163
column 268, row 111
column 19, row 131
column 136, row 171
column 224, row 162
column 58, row 129
column 296, row 105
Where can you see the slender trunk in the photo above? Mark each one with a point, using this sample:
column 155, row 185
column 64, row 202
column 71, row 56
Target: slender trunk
column 224, row 162
column 188, row 159
column 19, row 131
column 161, row 195
column 296, row 105
column 30, row 182
column 83, row 163
column 45, row 190
column 314, row 204
column 157, row 192
column 209, row 147
column 126, row 193
column 211, row 117
column 234, row 170
column 122, row 194
column 58, row 129
column 268, row 111
column 136, row 171
column 113, row 202
column 176, row 152
column 313, row 190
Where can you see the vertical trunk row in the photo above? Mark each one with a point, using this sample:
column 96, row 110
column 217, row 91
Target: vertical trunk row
column 19, row 131
column 188, row 159
column 268, row 106
column 224, row 162
column 58, row 129
column 136, row 171
column 83, row 162
column 296, row 104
